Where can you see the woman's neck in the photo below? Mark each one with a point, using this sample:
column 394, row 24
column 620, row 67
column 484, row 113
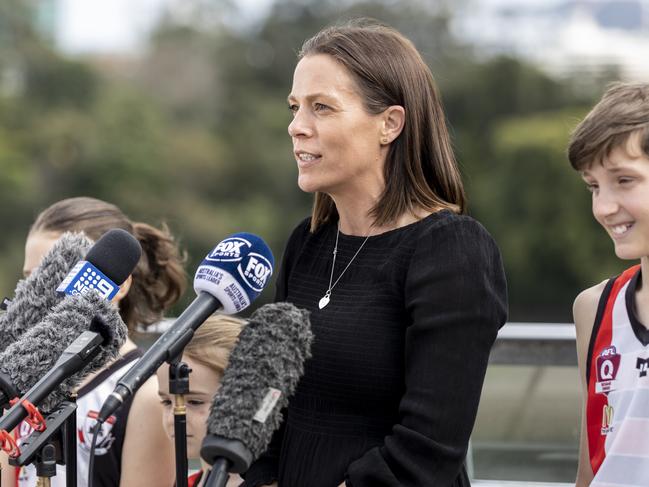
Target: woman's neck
column 353, row 210
column 355, row 220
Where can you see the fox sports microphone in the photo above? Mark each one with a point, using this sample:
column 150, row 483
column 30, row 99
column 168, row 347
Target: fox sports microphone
column 97, row 278
column 231, row 276
column 35, row 295
column 263, row 371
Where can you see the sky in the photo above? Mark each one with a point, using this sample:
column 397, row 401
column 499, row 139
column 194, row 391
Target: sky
column 121, row 25
column 117, row 25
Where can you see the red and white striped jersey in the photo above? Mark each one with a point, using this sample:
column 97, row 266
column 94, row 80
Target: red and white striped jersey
column 617, row 375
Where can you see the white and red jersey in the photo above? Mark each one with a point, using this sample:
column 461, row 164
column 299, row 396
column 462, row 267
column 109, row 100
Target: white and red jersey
column 108, row 451
column 617, row 373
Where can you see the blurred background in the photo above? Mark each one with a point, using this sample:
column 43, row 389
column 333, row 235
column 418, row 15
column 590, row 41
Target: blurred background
column 175, row 110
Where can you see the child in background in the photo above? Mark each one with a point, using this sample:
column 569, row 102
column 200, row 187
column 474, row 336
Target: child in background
column 207, row 356
column 132, row 445
column 610, row 148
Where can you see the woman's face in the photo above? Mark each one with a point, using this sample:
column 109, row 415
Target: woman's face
column 336, row 143
column 38, row 244
column 203, row 384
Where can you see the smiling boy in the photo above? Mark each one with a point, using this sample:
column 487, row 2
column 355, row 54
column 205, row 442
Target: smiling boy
column 610, row 149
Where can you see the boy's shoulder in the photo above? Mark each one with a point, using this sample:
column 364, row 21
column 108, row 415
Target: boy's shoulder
column 590, row 297
column 584, row 312
column 584, row 309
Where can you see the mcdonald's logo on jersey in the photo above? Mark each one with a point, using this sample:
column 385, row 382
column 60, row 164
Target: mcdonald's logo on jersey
column 607, row 419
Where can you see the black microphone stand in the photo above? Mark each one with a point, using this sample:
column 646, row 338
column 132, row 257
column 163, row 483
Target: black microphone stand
column 57, row 443
column 179, row 386
column 71, row 446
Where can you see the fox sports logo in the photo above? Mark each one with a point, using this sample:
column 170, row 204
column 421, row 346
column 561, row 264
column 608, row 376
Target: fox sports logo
column 229, row 250
column 255, row 270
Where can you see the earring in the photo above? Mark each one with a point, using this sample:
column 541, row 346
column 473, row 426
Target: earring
column 384, row 140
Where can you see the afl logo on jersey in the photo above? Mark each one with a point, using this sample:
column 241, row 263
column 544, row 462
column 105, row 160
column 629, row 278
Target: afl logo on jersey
column 608, row 363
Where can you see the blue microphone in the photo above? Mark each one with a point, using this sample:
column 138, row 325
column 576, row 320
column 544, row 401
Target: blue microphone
column 235, row 272
column 103, row 270
column 231, row 276
column 83, row 277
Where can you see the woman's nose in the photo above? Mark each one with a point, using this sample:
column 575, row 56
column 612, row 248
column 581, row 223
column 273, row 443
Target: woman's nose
column 300, row 126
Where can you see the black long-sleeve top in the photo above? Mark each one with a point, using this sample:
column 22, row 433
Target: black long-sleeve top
column 390, row 395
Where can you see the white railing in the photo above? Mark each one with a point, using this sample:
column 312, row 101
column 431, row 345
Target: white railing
column 539, row 346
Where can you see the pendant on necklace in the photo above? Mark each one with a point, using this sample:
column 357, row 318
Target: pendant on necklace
column 324, row 301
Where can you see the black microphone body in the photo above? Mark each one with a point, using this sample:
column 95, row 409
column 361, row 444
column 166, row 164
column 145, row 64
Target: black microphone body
column 263, row 371
column 30, row 359
column 168, row 346
column 73, row 359
column 219, row 474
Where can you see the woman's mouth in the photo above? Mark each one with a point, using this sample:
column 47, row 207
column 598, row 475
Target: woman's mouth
column 305, row 159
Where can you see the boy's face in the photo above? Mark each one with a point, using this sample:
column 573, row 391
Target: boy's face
column 203, row 384
column 620, row 188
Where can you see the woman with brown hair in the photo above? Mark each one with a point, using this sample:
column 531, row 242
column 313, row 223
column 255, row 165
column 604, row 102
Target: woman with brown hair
column 406, row 292
column 132, row 444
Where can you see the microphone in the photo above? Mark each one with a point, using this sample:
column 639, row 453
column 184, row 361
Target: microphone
column 110, row 260
column 264, row 369
column 231, row 276
column 81, row 334
column 107, row 265
column 36, row 295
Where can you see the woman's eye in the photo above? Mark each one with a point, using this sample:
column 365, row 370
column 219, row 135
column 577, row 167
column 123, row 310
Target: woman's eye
column 165, row 402
column 292, row 108
column 195, row 402
column 624, row 180
column 591, row 187
column 320, row 107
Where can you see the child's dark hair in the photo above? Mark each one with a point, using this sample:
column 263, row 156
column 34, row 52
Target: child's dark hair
column 622, row 111
column 159, row 279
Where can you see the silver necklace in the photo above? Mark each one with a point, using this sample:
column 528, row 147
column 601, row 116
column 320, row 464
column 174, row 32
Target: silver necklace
column 324, row 301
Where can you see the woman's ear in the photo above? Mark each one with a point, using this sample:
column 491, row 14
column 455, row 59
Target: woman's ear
column 123, row 290
column 394, row 118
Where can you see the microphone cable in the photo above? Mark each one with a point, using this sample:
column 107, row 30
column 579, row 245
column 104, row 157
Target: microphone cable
column 91, row 461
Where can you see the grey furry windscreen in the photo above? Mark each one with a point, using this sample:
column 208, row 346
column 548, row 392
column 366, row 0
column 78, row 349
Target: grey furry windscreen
column 35, row 295
column 270, row 352
column 28, row 359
